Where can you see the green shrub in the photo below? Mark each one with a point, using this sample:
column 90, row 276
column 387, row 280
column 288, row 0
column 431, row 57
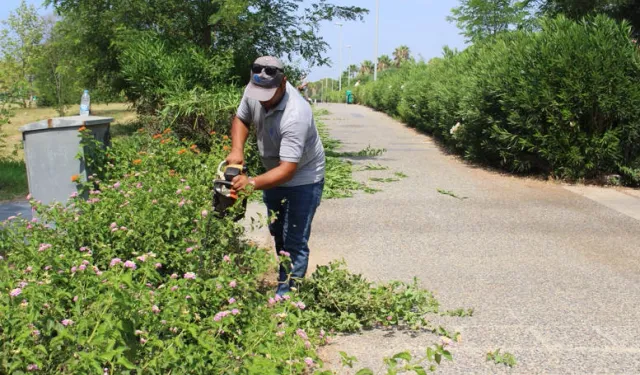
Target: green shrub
column 563, row 101
column 139, row 278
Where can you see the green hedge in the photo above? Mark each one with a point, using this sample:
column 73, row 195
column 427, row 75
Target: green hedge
column 563, row 101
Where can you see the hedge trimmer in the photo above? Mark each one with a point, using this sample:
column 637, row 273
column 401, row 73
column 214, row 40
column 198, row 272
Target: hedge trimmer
column 223, row 198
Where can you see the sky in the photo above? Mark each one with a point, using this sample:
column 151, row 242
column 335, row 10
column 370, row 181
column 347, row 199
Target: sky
column 419, row 24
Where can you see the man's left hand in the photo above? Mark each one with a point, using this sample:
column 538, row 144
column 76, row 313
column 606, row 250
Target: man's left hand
column 240, row 182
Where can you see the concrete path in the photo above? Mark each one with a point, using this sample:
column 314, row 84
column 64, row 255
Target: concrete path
column 553, row 274
column 8, row 209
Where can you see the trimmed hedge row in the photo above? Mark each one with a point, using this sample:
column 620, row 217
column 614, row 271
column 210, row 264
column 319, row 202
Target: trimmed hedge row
column 563, row 101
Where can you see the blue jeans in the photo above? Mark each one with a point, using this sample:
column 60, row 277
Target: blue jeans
column 294, row 208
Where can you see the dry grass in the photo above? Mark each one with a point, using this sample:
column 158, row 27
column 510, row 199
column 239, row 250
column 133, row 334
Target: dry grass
column 121, row 112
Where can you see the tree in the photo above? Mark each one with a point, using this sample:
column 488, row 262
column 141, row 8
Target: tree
column 401, row 54
column 384, row 62
column 19, row 41
column 480, row 19
column 577, row 9
column 366, row 67
column 59, row 73
column 247, row 28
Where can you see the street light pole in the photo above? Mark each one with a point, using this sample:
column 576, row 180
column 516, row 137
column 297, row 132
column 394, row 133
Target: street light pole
column 340, row 68
column 375, row 66
column 349, row 66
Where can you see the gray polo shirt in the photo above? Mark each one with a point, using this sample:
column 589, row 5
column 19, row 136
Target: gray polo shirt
column 287, row 132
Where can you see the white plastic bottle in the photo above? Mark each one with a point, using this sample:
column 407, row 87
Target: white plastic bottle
column 85, row 103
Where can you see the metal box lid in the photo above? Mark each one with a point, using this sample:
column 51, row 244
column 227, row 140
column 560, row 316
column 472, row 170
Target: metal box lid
column 66, row 122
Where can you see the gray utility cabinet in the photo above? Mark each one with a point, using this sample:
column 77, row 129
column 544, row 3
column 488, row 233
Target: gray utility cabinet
column 50, row 150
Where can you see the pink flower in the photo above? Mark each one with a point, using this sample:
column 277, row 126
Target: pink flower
column 33, row 367
column 73, row 269
column 179, row 191
column 190, row 275
column 299, row 305
column 130, row 264
column 142, row 258
column 232, row 300
column 84, row 248
column 278, row 298
column 75, row 298
column 28, row 269
column 143, row 340
column 227, row 259
column 174, row 276
column 204, row 213
column 232, row 284
column 158, row 265
column 189, row 249
column 286, row 297
column 308, row 361
column 187, row 297
column 44, row 246
column 115, row 261
column 183, row 180
column 139, row 185
column 29, row 196
column 113, row 225
column 284, row 253
column 82, row 267
column 22, row 284
column 302, row 334
column 182, row 202
column 67, row 322
column 187, row 187
column 389, row 317
column 85, row 262
column 138, row 332
column 155, row 201
column 15, row 292
column 174, row 288
column 163, row 322
column 123, row 228
column 116, row 185
column 46, row 306
column 235, row 311
column 47, row 268
column 35, row 333
column 155, row 309
column 280, row 333
column 272, row 301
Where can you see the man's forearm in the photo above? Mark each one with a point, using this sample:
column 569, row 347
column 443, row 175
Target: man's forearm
column 239, row 135
column 275, row 177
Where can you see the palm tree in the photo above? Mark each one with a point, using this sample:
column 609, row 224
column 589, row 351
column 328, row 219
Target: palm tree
column 384, row 62
column 401, row 54
column 366, row 67
column 353, row 69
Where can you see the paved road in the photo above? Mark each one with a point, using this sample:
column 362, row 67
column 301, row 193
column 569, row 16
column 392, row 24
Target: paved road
column 8, row 209
column 552, row 271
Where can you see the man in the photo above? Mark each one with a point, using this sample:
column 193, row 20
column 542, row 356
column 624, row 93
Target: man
column 293, row 155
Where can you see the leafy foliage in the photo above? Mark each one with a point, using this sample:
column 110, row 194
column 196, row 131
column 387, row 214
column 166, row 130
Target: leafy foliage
column 480, row 19
column 505, row 358
column 134, row 276
column 530, row 102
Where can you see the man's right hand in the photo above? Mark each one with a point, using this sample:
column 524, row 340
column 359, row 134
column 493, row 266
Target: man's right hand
column 235, row 157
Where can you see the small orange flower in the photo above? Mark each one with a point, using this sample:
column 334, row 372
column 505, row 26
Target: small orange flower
column 193, row 147
column 167, row 131
column 137, row 161
column 182, row 151
column 213, row 132
column 140, row 130
column 142, row 153
column 157, row 136
column 226, row 148
column 75, row 178
column 82, row 128
column 164, row 141
column 225, row 137
column 172, row 172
